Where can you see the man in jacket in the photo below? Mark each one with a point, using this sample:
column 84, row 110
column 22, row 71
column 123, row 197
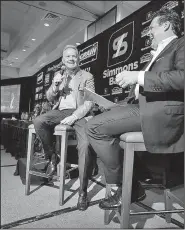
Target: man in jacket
column 70, row 109
column 157, row 111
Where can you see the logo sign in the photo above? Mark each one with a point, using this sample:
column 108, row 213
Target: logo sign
column 146, row 57
column 148, row 43
column 170, row 5
column 117, row 90
column 39, row 78
column 88, row 54
column 145, row 31
column 120, row 45
column 149, row 16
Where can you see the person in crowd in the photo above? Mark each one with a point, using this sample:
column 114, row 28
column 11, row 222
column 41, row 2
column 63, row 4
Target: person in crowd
column 70, row 108
column 157, row 108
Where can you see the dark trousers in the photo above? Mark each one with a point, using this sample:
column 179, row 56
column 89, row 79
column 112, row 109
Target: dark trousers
column 44, row 127
column 103, row 132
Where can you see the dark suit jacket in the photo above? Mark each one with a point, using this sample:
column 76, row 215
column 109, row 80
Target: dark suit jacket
column 161, row 101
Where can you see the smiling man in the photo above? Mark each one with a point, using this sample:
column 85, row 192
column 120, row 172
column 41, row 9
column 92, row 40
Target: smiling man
column 155, row 107
column 70, row 108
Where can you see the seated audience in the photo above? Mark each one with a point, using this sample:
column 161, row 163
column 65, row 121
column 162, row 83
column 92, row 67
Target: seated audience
column 156, row 109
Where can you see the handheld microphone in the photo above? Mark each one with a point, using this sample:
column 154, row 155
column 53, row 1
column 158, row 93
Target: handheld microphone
column 62, row 70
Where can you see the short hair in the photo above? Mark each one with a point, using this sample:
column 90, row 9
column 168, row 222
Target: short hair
column 171, row 16
column 70, row 46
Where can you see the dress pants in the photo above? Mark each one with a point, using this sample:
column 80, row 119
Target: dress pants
column 44, row 127
column 103, row 132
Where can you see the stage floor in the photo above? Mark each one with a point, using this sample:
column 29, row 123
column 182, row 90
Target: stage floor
column 41, row 208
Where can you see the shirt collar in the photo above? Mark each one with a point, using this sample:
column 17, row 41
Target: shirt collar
column 166, row 41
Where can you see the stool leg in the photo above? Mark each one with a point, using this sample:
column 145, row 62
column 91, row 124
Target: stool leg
column 107, row 212
column 63, row 151
column 31, row 138
column 168, row 205
column 127, row 185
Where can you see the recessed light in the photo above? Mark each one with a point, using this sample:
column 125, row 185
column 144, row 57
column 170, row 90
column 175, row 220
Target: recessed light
column 24, row 50
column 46, row 24
column 16, row 58
column 10, row 63
column 33, row 39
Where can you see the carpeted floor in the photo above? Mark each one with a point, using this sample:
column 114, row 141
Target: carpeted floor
column 41, row 208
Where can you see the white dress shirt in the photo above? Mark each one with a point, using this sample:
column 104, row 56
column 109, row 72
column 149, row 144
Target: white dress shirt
column 160, row 47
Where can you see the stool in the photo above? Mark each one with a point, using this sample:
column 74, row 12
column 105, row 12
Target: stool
column 64, row 131
column 131, row 142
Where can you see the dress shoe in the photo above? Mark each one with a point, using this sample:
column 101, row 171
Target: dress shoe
column 52, row 166
column 82, row 204
column 114, row 202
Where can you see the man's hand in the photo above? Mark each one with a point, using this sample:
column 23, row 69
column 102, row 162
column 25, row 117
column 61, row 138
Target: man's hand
column 127, row 78
column 68, row 120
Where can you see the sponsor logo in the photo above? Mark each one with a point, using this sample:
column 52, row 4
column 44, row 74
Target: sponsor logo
column 120, row 45
column 117, row 90
column 149, row 16
column 170, row 5
column 148, row 43
column 88, row 54
column 46, row 79
column 145, row 31
column 182, row 14
column 146, row 57
column 38, row 89
column 40, row 78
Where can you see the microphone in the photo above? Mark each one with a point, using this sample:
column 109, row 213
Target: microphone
column 62, row 70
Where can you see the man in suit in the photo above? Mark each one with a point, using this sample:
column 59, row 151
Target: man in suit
column 70, row 108
column 156, row 109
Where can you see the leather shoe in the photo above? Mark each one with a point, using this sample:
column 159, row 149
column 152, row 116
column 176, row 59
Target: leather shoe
column 52, row 166
column 82, row 204
column 114, row 202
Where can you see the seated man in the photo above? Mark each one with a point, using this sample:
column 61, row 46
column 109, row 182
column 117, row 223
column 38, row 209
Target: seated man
column 158, row 109
column 70, row 109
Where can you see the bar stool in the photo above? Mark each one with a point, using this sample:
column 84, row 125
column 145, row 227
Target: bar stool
column 64, row 131
column 131, row 142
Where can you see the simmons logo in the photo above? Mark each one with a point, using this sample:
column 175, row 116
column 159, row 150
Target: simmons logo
column 170, row 5
column 145, row 31
column 148, row 43
column 117, row 90
column 88, row 54
column 120, row 45
column 146, row 57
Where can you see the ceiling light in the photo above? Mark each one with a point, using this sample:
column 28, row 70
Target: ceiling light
column 10, row 63
column 78, row 43
column 16, row 58
column 33, row 39
column 46, row 24
column 24, row 50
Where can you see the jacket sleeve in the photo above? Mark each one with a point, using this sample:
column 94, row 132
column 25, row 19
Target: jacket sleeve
column 82, row 110
column 167, row 81
column 50, row 95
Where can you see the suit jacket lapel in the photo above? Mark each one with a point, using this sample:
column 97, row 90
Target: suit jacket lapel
column 163, row 51
column 77, row 80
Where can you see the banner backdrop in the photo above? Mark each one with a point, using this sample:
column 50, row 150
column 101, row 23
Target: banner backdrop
column 124, row 46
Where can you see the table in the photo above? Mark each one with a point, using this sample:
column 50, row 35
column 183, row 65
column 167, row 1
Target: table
column 14, row 136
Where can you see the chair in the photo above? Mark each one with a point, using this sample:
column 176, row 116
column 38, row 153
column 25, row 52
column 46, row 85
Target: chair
column 131, row 142
column 63, row 131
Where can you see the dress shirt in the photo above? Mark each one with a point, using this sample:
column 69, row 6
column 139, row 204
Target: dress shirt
column 68, row 100
column 160, row 47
